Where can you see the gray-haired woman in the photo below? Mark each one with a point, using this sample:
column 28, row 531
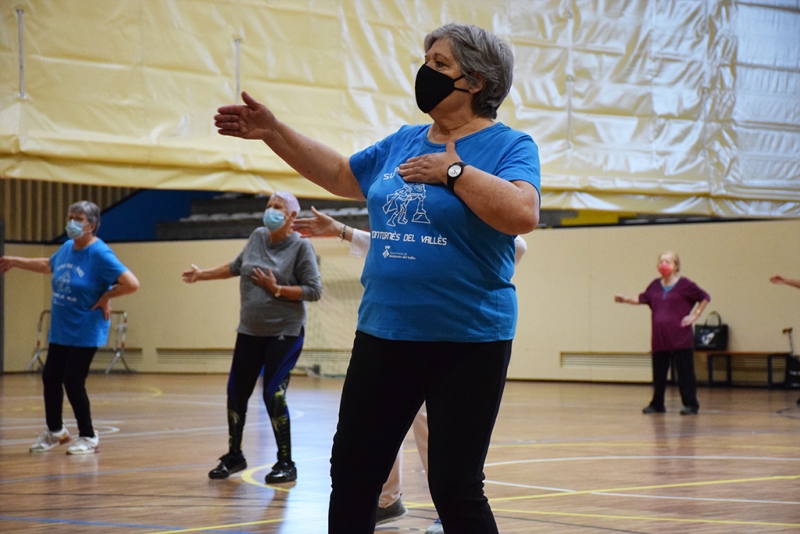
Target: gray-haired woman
column 277, row 273
column 439, row 310
column 86, row 276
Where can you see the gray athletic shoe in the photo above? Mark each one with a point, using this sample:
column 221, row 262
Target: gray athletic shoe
column 50, row 440
column 84, row 445
column 393, row 512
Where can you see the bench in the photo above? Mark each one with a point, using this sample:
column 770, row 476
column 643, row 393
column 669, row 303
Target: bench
column 728, row 355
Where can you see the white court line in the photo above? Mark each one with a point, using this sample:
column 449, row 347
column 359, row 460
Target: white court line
column 527, row 486
column 749, row 501
column 654, row 457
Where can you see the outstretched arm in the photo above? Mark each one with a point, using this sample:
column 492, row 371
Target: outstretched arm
column 322, row 225
column 195, row 274
column 311, row 159
column 778, row 279
column 626, row 300
column 37, row 265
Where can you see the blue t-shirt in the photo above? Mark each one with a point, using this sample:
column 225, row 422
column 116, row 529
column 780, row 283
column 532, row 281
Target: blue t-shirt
column 80, row 277
column 435, row 271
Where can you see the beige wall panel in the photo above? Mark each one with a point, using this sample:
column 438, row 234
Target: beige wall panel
column 26, row 295
column 565, row 285
column 566, row 292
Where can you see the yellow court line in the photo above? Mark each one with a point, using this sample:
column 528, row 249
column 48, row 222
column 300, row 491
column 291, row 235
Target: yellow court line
column 639, row 488
column 645, row 518
column 221, row 527
column 247, row 476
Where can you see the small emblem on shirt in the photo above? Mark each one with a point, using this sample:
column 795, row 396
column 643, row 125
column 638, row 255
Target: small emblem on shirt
column 399, row 202
column 389, row 253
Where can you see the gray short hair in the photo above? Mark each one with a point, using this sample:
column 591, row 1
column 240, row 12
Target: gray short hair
column 290, row 199
column 90, row 210
column 479, row 52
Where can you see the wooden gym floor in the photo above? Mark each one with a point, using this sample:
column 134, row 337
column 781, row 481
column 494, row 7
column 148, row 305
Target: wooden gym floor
column 565, row 458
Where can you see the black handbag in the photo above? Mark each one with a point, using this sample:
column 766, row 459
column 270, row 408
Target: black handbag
column 709, row 336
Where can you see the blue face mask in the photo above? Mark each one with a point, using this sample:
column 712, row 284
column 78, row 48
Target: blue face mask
column 74, row 229
column 274, row 219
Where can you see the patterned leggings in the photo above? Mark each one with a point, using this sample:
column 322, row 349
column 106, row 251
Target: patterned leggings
column 275, row 355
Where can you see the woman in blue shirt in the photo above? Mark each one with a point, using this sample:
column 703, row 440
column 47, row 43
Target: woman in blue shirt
column 439, row 310
column 86, row 276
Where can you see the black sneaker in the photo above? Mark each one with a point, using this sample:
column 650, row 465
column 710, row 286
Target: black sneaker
column 689, row 410
column 652, row 409
column 282, row 471
column 393, row 512
column 228, row 464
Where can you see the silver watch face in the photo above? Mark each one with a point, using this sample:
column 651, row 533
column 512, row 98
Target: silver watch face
column 454, row 170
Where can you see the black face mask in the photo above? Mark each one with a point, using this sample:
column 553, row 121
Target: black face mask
column 432, row 87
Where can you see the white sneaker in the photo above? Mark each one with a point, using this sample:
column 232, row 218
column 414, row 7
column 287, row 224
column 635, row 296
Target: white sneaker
column 50, row 440
column 435, row 528
column 84, row 445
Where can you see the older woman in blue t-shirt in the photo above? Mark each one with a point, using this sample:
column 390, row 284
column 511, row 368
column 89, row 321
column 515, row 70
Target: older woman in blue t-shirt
column 676, row 303
column 86, row 276
column 439, row 310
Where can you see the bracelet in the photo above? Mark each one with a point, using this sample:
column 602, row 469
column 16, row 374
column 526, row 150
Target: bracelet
column 341, row 235
column 278, row 292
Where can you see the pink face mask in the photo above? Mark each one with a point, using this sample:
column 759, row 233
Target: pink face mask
column 665, row 269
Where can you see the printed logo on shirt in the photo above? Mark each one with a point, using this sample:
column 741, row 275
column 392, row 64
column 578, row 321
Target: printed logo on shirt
column 399, row 202
column 403, row 207
column 62, row 283
column 389, row 253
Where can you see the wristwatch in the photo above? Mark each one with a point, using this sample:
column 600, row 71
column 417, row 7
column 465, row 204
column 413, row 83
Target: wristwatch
column 278, row 292
column 454, row 173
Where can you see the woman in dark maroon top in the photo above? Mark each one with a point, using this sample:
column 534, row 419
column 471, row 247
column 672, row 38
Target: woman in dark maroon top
column 676, row 302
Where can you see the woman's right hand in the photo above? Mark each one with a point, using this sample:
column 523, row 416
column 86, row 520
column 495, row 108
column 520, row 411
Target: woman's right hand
column 619, row 298
column 253, row 120
column 6, row 264
column 192, row 275
column 320, row 225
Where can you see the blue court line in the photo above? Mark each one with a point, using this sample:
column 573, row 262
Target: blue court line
column 106, row 524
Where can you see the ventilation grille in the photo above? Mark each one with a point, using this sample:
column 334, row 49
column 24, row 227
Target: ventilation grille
column 35, row 211
column 605, row 360
column 204, row 356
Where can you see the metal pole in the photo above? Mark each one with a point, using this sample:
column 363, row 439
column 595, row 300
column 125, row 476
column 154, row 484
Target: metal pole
column 2, row 298
column 21, row 41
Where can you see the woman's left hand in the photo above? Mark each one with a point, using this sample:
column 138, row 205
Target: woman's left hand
column 430, row 168
column 104, row 304
column 689, row 319
column 266, row 280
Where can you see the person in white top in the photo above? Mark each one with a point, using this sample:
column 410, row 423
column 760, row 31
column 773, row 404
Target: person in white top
column 390, row 505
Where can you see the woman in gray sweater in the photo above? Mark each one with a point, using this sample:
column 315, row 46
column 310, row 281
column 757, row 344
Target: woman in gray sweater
column 278, row 271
